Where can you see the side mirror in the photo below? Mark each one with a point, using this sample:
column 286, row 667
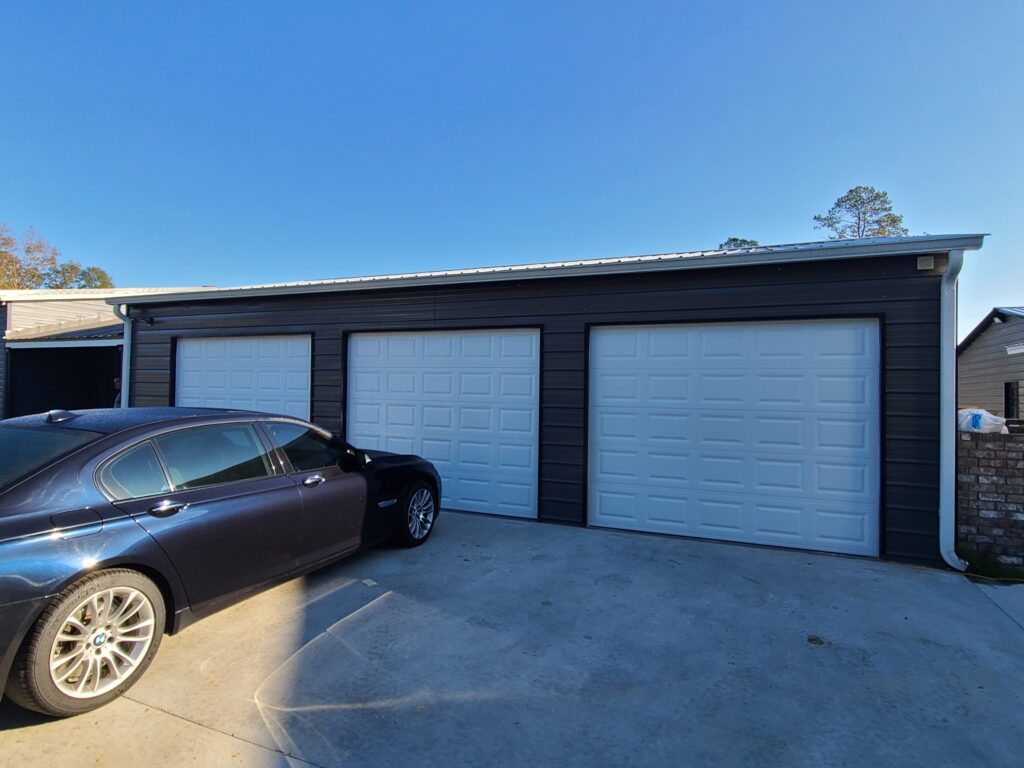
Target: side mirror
column 352, row 460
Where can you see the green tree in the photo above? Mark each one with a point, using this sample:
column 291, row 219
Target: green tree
column 33, row 263
column 737, row 242
column 9, row 260
column 861, row 212
column 94, row 277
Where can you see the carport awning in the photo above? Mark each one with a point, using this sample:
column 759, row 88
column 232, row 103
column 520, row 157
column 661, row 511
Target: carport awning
column 57, row 335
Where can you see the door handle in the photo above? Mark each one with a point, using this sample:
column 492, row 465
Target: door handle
column 312, row 480
column 166, row 508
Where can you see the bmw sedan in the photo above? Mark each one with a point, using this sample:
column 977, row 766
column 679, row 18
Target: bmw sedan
column 118, row 526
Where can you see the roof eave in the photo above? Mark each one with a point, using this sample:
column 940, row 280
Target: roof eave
column 825, row 251
column 1003, row 313
column 109, row 295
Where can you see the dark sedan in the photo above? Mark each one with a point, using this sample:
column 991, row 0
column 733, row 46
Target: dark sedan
column 119, row 525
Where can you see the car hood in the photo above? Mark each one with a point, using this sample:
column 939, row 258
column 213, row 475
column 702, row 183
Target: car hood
column 385, row 459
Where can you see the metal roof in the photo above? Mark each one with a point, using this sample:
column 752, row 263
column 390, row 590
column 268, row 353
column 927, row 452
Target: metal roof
column 762, row 254
column 1019, row 311
column 66, row 294
column 52, row 333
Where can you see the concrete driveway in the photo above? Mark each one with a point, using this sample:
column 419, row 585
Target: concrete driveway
column 514, row 643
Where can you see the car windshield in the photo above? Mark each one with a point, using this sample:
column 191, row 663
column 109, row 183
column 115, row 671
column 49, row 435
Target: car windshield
column 23, row 450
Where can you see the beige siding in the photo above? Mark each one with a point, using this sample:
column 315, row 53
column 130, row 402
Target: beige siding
column 984, row 366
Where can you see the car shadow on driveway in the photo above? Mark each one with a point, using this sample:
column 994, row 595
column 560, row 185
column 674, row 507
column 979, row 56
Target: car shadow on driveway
column 13, row 717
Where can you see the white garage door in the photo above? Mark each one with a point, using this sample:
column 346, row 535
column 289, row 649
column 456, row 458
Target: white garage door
column 258, row 373
column 466, row 400
column 754, row 432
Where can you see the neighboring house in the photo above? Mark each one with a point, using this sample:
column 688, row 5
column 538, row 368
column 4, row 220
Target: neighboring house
column 796, row 395
column 990, row 364
column 60, row 348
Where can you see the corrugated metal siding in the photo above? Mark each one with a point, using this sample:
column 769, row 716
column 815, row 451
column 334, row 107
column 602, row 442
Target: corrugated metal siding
column 28, row 314
column 905, row 300
column 984, row 366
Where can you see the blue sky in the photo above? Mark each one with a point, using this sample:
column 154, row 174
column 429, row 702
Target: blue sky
column 230, row 143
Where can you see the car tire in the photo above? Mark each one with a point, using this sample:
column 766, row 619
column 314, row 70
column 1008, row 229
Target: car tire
column 419, row 514
column 90, row 645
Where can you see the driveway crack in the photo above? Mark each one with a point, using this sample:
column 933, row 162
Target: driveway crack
column 264, row 747
column 997, row 605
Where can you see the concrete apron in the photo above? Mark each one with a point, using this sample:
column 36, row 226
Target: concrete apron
column 506, row 642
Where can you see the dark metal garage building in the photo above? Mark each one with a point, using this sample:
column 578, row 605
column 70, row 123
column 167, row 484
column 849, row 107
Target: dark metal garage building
column 786, row 395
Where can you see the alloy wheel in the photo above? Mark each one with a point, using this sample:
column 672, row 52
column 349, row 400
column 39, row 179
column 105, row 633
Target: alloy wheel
column 102, row 642
column 421, row 513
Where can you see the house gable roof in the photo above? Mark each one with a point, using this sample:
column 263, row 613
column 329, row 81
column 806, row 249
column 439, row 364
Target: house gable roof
column 1001, row 313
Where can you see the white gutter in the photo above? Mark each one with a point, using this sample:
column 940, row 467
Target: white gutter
column 947, row 414
column 126, row 356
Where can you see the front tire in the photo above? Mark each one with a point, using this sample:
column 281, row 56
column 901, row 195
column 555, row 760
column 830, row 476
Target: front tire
column 90, row 645
column 419, row 513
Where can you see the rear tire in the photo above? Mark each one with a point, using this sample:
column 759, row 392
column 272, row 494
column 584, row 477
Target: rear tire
column 419, row 514
column 90, row 645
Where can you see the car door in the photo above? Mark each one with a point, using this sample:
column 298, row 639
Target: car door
column 333, row 489
column 218, row 510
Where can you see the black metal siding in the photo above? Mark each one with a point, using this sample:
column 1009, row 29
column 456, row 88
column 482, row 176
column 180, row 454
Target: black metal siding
column 984, row 366
column 905, row 300
column 3, row 362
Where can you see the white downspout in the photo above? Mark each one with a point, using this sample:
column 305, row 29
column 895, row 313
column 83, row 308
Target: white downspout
column 126, row 356
column 947, row 414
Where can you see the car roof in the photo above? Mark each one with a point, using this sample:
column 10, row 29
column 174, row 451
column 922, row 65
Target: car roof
column 107, row 421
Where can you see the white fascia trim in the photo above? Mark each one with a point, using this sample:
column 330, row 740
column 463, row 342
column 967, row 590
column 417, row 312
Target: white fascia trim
column 87, row 294
column 761, row 255
column 62, row 344
column 947, row 413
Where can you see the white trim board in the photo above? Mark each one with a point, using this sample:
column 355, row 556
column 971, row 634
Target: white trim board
column 63, row 344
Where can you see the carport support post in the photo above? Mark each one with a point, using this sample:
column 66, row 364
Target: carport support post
column 947, row 414
column 126, row 353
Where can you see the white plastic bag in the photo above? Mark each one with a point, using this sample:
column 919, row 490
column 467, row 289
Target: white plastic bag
column 979, row 420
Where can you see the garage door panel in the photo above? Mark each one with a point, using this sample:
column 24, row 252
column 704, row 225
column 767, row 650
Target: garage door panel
column 777, row 435
column 727, row 346
column 823, row 390
column 270, row 374
column 747, row 432
column 485, row 351
column 734, row 517
column 765, row 475
column 465, row 400
column 473, row 385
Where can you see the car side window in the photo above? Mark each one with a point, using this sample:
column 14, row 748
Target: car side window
column 134, row 474
column 305, row 448
column 221, row 453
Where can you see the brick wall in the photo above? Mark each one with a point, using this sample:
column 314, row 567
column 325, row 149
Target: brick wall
column 990, row 497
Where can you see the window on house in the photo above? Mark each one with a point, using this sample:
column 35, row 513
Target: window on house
column 1011, row 400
